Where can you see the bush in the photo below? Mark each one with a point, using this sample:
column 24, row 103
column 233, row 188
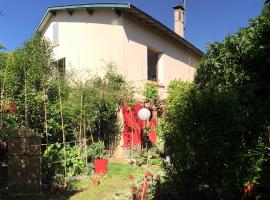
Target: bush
column 215, row 128
column 201, row 138
column 54, row 155
column 96, row 150
column 151, row 94
column 210, row 155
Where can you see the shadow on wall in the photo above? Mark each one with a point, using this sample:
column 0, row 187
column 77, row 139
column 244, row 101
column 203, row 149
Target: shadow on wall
column 135, row 31
column 81, row 16
column 142, row 33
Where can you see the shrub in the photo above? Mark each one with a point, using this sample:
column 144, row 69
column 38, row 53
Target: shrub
column 214, row 129
column 54, row 155
column 96, row 150
column 151, row 94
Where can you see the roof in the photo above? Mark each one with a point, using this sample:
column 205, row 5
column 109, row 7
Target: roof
column 126, row 7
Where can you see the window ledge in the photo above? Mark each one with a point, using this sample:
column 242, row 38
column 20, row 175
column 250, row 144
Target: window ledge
column 157, row 84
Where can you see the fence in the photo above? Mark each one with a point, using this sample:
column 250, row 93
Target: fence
column 24, row 163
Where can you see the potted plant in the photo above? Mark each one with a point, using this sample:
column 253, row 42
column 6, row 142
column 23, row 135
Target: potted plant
column 97, row 153
column 95, row 181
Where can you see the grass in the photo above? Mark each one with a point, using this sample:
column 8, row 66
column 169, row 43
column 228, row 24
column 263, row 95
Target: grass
column 117, row 179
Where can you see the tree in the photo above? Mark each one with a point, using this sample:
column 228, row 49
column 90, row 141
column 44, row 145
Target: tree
column 2, row 46
column 216, row 129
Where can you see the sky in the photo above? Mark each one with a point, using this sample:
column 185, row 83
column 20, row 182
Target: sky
column 206, row 20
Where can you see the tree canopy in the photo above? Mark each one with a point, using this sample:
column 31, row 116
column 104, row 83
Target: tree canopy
column 216, row 129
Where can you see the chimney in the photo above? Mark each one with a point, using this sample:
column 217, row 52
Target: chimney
column 179, row 18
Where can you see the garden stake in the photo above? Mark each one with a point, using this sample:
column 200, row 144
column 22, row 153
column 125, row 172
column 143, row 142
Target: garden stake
column 46, row 122
column 25, row 98
column 62, row 126
column 81, row 111
column 132, row 125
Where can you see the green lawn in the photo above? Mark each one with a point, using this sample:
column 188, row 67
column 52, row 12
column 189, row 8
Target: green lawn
column 117, row 179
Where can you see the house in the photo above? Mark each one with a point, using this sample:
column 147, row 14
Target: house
column 87, row 36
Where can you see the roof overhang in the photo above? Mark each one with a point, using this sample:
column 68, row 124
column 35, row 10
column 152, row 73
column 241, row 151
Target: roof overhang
column 126, row 7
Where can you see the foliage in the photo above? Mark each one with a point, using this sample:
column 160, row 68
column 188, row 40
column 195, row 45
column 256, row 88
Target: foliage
column 153, row 155
column 2, row 46
column 55, row 104
column 96, row 150
column 200, row 140
column 25, row 72
column 145, row 189
column 54, row 155
column 151, row 95
column 215, row 128
column 262, row 187
column 115, row 185
column 140, row 157
column 147, row 185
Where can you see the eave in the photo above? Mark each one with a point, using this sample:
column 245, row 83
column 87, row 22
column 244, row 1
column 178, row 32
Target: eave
column 126, row 7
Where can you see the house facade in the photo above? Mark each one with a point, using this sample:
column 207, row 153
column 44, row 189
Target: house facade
column 87, row 37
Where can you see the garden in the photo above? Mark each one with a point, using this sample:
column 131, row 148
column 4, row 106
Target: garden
column 210, row 139
column 71, row 125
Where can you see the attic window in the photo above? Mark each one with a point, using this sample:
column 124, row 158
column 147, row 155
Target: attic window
column 152, row 61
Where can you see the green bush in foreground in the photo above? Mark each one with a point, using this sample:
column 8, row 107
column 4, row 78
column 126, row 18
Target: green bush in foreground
column 216, row 130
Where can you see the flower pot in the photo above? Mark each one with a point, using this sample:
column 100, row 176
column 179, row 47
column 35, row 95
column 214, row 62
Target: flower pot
column 96, row 182
column 101, row 166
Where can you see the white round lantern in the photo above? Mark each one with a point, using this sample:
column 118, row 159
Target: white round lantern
column 144, row 114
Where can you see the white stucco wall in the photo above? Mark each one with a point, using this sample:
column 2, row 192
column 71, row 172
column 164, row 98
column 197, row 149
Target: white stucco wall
column 176, row 62
column 90, row 42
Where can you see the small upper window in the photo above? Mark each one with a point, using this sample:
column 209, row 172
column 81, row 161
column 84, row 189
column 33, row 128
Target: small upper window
column 55, row 39
column 152, row 68
column 59, row 67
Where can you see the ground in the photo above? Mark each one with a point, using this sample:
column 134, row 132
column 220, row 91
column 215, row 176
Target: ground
column 116, row 184
column 116, row 181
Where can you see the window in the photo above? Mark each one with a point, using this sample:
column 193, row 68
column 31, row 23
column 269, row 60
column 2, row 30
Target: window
column 59, row 67
column 55, row 39
column 152, row 68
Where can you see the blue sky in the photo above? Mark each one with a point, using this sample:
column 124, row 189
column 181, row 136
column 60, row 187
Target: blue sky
column 206, row 20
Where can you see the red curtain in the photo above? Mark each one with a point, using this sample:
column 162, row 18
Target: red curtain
column 133, row 126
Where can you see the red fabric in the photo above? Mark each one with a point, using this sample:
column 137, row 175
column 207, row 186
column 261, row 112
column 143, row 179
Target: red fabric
column 153, row 137
column 153, row 133
column 133, row 126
